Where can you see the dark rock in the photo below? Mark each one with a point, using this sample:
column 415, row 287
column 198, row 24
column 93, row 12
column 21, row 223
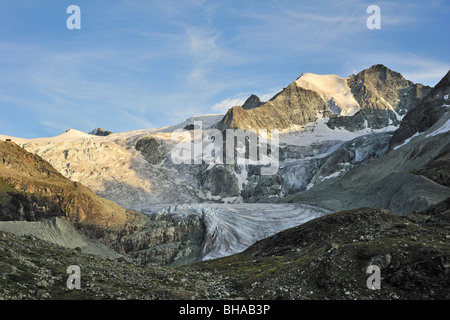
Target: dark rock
column 189, row 127
column 100, row 132
column 220, row 180
column 152, row 150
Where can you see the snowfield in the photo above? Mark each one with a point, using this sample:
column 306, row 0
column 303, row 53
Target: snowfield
column 333, row 89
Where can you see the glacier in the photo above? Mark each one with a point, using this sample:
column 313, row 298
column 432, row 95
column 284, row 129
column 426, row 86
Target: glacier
column 232, row 228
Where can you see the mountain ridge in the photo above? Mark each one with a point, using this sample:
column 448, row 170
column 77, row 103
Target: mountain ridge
column 375, row 97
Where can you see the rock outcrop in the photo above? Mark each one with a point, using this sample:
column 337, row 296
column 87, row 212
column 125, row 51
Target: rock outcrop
column 152, row 150
column 100, row 132
column 220, row 180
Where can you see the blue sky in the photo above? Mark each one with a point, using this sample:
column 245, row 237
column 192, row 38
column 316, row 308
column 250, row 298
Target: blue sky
column 140, row 64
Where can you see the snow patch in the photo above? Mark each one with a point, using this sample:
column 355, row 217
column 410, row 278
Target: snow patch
column 333, row 89
column 333, row 175
column 319, row 132
column 443, row 129
column 407, row 140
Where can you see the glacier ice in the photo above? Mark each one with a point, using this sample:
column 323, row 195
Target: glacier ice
column 232, row 228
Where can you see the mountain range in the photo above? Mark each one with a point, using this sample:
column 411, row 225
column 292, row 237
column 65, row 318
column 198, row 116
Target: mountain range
column 373, row 147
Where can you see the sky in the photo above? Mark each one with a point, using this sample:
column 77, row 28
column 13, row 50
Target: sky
column 140, row 64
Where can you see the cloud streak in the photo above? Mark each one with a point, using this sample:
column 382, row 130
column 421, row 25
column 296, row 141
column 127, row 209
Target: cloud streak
column 156, row 63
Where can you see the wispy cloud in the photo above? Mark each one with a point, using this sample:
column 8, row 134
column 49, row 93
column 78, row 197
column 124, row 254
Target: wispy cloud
column 239, row 99
column 224, row 105
column 155, row 63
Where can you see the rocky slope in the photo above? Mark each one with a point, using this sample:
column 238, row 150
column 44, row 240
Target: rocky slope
column 31, row 189
column 32, row 269
column 426, row 114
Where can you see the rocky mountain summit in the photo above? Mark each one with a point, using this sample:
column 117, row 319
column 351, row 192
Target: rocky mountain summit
column 384, row 98
column 252, row 102
column 100, row 132
column 294, row 106
column 374, row 98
